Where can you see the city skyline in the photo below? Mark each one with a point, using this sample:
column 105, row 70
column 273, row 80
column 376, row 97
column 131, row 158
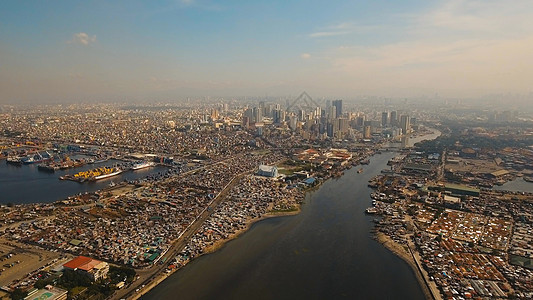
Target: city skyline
column 97, row 51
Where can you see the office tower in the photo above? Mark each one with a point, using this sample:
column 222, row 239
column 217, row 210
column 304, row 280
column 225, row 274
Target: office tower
column 301, row 115
column 332, row 113
column 360, row 121
column 318, row 112
column 394, row 118
column 367, row 132
column 338, row 107
column 258, row 115
column 276, row 116
column 384, row 119
column 343, row 125
column 405, row 124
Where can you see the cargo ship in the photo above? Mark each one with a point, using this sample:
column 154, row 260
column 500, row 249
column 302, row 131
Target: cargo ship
column 36, row 158
column 142, row 165
column 114, row 172
column 65, row 163
column 93, row 175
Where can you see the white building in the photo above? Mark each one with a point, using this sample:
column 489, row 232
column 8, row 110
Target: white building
column 267, row 171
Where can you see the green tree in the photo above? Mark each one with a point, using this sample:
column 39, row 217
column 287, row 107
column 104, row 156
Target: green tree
column 18, row 294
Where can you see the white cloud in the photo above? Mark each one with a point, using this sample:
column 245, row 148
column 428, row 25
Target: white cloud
column 82, row 38
column 327, row 33
column 305, row 55
column 344, row 29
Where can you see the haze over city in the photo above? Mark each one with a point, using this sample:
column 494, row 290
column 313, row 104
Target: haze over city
column 65, row 51
column 208, row 149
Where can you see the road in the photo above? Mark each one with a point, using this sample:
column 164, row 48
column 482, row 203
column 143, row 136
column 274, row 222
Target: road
column 147, row 276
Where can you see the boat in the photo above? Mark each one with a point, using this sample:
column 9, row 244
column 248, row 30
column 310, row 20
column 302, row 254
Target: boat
column 360, row 170
column 114, row 172
column 15, row 160
column 371, row 210
column 48, row 167
column 528, row 178
column 142, row 165
column 36, row 158
column 93, row 175
column 365, row 162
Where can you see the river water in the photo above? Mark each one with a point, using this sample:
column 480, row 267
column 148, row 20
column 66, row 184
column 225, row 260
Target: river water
column 26, row 184
column 517, row 185
column 325, row 252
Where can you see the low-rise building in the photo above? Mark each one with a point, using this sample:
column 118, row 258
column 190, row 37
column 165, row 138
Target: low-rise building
column 267, row 171
column 93, row 268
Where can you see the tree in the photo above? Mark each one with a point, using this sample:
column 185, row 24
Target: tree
column 18, row 294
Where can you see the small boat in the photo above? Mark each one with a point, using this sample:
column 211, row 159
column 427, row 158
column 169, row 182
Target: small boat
column 371, row 210
column 360, row 170
column 15, row 160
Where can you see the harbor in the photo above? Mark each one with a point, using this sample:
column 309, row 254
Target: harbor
column 23, row 184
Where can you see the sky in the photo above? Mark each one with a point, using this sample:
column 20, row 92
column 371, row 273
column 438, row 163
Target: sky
column 163, row 50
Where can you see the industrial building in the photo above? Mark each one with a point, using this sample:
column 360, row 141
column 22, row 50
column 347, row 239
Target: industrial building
column 267, row 171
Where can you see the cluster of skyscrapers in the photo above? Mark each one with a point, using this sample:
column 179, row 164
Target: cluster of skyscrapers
column 316, row 122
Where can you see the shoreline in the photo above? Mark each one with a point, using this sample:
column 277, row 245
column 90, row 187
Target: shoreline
column 217, row 245
column 403, row 254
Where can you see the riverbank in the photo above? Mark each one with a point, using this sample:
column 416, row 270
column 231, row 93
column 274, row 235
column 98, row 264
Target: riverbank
column 220, row 243
column 403, row 253
column 215, row 247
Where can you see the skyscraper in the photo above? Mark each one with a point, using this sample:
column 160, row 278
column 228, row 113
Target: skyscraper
column 405, row 124
column 384, row 119
column 394, row 118
column 258, row 114
column 338, row 107
column 367, row 132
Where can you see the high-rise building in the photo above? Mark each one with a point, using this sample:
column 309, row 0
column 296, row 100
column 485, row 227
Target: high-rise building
column 258, row 114
column 338, row 108
column 332, row 113
column 405, row 124
column 360, row 121
column 367, row 132
column 384, row 119
column 301, row 115
column 249, row 113
column 343, row 125
column 318, row 112
column 394, row 118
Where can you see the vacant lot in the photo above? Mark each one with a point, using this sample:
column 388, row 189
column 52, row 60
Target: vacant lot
column 17, row 260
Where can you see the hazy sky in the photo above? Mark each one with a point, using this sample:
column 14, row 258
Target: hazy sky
column 81, row 50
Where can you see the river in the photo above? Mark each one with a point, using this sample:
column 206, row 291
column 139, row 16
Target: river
column 325, row 252
column 517, row 185
column 20, row 184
